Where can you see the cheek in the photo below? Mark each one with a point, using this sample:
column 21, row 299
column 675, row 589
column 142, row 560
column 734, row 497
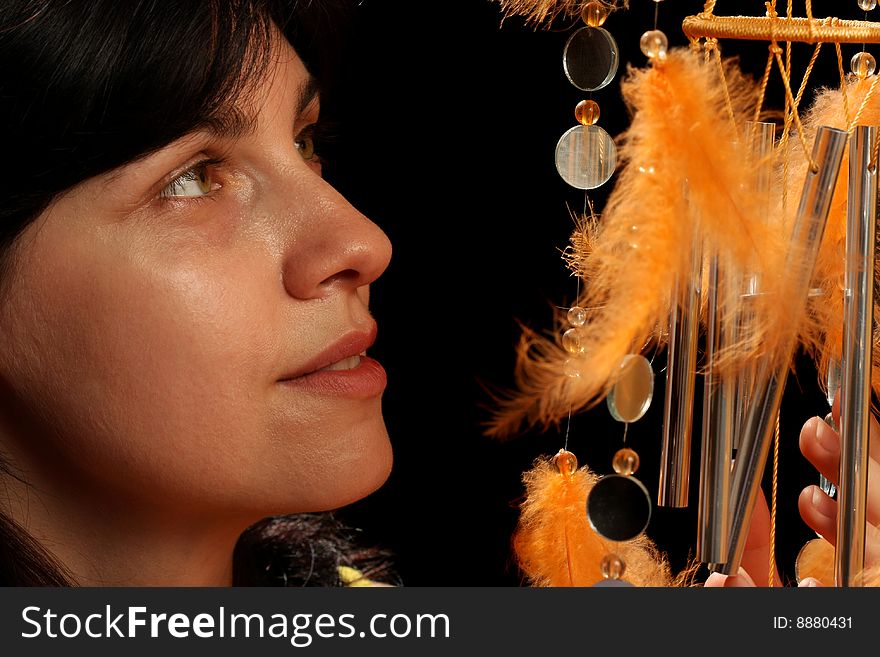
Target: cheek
column 145, row 366
column 154, row 378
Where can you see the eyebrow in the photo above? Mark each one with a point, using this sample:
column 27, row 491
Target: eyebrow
column 232, row 123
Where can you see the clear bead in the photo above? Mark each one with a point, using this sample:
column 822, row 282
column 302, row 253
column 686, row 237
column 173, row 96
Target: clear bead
column 867, row 5
column 571, row 341
column 612, row 566
column 587, row 112
column 863, row 64
column 594, row 14
column 572, row 367
column 626, row 461
column 565, row 462
column 586, row 156
column 654, row 44
column 577, row 316
column 631, row 395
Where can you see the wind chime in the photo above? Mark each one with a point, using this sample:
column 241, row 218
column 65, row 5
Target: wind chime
column 716, row 225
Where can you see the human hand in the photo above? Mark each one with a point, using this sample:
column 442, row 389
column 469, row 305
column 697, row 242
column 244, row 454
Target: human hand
column 820, row 444
column 754, row 567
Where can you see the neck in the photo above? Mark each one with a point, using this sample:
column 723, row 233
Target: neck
column 107, row 542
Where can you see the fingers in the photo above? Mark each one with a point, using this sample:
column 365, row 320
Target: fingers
column 820, row 444
column 741, row 579
column 756, row 556
column 808, row 582
column 820, row 513
column 873, row 431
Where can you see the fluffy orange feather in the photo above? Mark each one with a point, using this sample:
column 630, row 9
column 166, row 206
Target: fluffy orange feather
column 555, row 545
column 545, row 11
column 686, row 177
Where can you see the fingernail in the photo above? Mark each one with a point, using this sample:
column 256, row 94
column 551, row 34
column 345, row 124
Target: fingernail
column 822, row 503
column 827, row 437
column 808, row 582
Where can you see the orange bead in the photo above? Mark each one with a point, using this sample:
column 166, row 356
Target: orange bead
column 587, row 112
column 626, row 461
column 594, row 14
column 565, row 462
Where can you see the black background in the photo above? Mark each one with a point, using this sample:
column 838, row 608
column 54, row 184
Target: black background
column 449, row 123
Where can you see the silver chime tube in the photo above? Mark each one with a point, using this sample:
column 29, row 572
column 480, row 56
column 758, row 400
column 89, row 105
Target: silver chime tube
column 761, row 138
column 772, row 374
column 745, row 376
column 718, row 407
column 678, row 408
column 855, row 394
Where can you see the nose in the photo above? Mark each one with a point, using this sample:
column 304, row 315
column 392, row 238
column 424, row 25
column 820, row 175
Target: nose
column 332, row 247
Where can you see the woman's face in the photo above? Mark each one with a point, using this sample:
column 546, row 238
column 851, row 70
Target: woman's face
column 165, row 322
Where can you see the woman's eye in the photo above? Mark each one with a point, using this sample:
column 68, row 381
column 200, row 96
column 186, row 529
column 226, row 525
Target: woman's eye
column 305, row 143
column 196, row 181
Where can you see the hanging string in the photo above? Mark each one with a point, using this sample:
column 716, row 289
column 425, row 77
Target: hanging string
column 795, row 102
column 764, row 82
column 791, row 114
column 714, row 46
column 772, row 576
column 842, row 82
column 577, row 296
column 867, row 99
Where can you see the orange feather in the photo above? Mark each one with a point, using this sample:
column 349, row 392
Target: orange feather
column 686, row 178
column 555, row 545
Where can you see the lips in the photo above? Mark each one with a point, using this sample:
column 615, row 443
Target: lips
column 343, row 369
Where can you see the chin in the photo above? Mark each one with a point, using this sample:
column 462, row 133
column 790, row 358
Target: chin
column 360, row 467
column 367, row 475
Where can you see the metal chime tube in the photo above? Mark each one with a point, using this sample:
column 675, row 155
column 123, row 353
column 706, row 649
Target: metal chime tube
column 678, row 408
column 761, row 136
column 773, row 372
column 855, row 394
column 718, row 407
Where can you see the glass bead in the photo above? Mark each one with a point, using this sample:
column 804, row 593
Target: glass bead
column 619, row 507
column 577, row 316
column 565, row 462
column 587, row 112
column 594, row 14
column 571, row 341
column 572, row 367
column 863, row 64
column 626, row 461
column 631, row 395
column 590, row 58
column 654, row 44
column 867, row 5
column 586, row 157
column 612, row 566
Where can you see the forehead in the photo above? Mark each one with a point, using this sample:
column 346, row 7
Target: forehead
column 285, row 86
